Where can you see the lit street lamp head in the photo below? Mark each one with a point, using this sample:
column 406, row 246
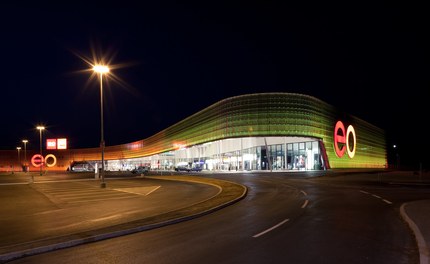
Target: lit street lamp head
column 40, row 127
column 101, row 69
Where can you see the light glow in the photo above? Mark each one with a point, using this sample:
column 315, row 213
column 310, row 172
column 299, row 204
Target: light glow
column 101, row 69
column 101, row 62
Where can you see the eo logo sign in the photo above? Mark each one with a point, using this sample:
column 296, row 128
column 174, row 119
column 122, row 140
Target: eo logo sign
column 37, row 160
column 343, row 140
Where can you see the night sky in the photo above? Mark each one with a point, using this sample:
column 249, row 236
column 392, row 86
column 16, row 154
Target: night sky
column 175, row 59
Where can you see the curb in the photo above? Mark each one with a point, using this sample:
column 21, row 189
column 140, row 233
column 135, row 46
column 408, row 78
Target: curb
column 422, row 247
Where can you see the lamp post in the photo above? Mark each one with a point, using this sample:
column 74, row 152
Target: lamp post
column 41, row 128
column 25, row 141
column 101, row 69
column 19, row 156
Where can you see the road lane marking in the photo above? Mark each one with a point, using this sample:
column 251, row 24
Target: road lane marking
column 138, row 190
column 153, row 190
column 304, row 192
column 305, row 203
column 388, row 202
column 377, row 196
column 270, row 229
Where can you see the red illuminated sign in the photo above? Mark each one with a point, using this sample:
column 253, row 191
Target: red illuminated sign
column 51, row 143
column 38, row 160
column 342, row 140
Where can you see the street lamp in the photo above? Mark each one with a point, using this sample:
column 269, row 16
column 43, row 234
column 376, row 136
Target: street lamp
column 19, row 157
column 101, row 69
column 25, row 141
column 40, row 128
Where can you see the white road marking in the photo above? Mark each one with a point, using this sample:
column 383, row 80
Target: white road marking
column 305, row 204
column 304, row 192
column 270, row 229
column 139, row 190
column 153, row 190
column 388, row 202
column 377, row 196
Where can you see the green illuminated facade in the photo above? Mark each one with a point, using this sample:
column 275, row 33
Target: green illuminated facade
column 276, row 131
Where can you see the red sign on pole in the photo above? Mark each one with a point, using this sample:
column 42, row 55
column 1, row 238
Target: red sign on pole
column 51, row 143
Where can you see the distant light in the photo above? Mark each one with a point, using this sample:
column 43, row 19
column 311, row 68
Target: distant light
column 18, row 148
column 394, row 146
column 24, row 141
column 40, row 127
column 101, row 69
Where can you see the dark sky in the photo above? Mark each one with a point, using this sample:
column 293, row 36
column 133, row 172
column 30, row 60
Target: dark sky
column 371, row 61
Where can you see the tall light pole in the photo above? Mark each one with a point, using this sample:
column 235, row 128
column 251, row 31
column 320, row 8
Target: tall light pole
column 25, row 141
column 19, row 157
column 41, row 128
column 101, row 69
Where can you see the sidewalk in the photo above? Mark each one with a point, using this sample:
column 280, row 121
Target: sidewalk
column 52, row 228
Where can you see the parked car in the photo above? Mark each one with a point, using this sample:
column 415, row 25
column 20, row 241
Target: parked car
column 182, row 166
column 186, row 166
column 140, row 170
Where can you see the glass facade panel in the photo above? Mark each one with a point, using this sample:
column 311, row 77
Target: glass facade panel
column 260, row 156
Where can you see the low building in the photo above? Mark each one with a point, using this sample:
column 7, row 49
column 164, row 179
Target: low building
column 263, row 131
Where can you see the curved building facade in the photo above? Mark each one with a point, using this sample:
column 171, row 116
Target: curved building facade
column 264, row 131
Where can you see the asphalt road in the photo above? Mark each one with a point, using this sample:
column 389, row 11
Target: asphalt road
column 284, row 218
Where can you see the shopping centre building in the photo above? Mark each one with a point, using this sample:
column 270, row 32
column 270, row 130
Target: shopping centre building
column 264, row 131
